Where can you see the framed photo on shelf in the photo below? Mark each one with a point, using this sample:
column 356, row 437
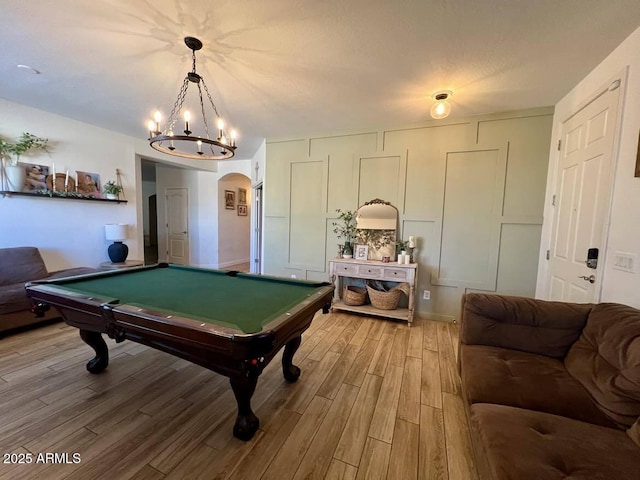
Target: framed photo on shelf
column 242, row 196
column 242, row 210
column 88, row 183
column 36, row 177
column 229, row 199
column 362, row 252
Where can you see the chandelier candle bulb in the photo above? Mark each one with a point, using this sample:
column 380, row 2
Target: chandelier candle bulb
column 233, row 138
column 151, row 126
column 187, row 118
column 158, row 118
column 171, row 146
column 199, row 147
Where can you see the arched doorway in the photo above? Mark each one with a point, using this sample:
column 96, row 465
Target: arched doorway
column 234, row 222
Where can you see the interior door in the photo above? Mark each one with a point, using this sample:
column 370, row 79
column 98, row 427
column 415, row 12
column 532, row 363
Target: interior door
column 256, row 267
column 177, row 226
column 582, row 199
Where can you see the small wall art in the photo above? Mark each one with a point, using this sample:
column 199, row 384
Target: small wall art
column 88, row 183
column 242, row 210
column 229, row 199
column 242, row 196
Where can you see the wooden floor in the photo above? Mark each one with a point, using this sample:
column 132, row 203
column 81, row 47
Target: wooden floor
column 376, row 400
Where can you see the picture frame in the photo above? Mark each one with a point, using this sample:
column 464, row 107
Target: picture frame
column 362, row 252
column 229, row 199
column 242, row 196
column 35, row 177
column 88, row 183
column 242, row 210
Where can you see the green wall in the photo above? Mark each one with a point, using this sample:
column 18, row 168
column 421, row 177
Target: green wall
column 471, row 190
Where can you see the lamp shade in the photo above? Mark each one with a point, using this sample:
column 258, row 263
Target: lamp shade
column 115, row 232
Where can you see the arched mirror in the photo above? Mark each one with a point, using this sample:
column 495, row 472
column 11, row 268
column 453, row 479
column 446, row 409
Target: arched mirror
column 376, row 225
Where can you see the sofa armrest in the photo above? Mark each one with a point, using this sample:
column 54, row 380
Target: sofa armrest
column 519, row 323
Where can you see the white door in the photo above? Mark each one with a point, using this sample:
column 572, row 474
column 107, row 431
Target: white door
column 256, row 267
column 177, row 226
column 582, row 199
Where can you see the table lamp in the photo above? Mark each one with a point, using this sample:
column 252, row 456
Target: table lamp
column 116, row 232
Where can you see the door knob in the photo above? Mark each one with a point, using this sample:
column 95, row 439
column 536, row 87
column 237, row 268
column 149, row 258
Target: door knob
column 590, row 278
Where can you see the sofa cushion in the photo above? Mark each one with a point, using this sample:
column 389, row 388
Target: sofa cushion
column 21, row 264
column 524, row 444
column 525, row 380
column 606, row 360
column 525, row 324
column 13, row 299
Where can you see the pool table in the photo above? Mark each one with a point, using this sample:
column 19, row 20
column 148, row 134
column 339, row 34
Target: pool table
column 229, row 322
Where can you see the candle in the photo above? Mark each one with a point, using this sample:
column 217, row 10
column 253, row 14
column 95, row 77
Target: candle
column 187, row 117
column 53, row 176
column 157, row 117
column 401, row 258
column 66, row 180
column 199, row 142
column 412, row 241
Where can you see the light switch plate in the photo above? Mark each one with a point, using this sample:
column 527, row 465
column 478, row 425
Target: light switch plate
column 625, row 261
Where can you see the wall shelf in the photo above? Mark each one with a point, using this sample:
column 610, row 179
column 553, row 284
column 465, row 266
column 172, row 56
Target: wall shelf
column 7, row 193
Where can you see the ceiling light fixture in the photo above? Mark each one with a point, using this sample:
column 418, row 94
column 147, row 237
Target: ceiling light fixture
column 202, row 147
column 441, row 108
column 29, row 69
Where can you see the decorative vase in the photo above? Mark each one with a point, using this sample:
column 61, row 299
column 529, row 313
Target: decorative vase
column 15, row 177
column 347, row 251
column 111, row 196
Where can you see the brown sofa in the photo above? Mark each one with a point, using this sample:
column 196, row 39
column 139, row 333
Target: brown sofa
column 552, row 389
column 19, row 265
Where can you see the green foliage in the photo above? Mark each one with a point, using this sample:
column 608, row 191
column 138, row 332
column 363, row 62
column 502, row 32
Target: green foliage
column 402, row 245
column 112, row 188
column 26, row 142
column 346, row 227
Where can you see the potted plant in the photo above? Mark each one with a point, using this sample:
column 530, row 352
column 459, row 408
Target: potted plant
column 346, row 229
column 112, row 190
column 15, row 173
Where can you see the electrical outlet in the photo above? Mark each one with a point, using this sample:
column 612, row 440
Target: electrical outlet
column 625, row 261
column 293, row 276
column 426, row 295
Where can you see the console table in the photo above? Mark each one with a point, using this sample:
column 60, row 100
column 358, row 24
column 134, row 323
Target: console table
column 374, row 270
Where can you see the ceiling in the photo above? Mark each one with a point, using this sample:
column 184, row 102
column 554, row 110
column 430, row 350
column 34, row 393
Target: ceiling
column 287, row 68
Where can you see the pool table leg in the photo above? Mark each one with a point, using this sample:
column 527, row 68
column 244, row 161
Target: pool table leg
column 95, row 341
column 289, row 370
column 246, row 422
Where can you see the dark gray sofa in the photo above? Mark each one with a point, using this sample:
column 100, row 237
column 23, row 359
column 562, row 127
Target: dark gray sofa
column 19, row 265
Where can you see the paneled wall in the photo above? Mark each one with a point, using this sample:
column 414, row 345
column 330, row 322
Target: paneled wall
column 471, row 190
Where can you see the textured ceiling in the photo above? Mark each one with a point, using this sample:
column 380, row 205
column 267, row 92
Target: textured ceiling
column 283, row 68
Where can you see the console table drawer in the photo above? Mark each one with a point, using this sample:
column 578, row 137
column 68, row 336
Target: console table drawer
column 346, row 269
column 368, row 271
column 395, row 274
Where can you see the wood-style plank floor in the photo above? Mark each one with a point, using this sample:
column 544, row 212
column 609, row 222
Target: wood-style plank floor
column 376, row 400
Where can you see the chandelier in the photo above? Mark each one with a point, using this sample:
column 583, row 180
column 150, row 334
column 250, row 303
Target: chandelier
column 186, row 145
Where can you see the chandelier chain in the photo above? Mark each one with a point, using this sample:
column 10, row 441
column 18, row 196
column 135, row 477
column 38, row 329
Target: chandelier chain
column 204, row 116
column 178, row 105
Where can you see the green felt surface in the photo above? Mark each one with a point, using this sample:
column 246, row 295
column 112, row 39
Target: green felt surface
column 244, row 302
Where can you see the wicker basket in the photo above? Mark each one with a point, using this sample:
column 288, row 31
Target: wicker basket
column 387, row 300
column 354, row 295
